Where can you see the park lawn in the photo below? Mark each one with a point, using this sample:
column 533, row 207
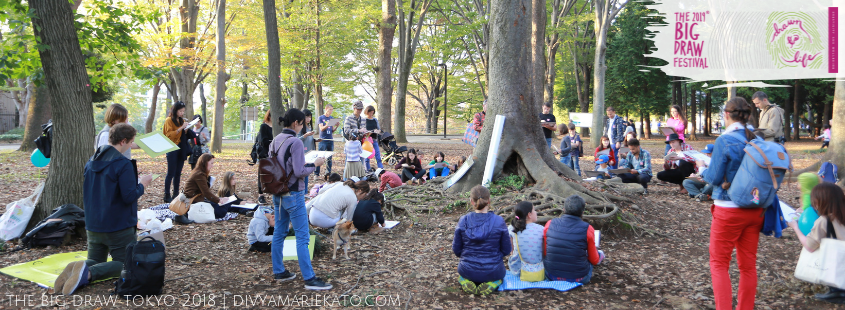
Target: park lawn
column 414, row 264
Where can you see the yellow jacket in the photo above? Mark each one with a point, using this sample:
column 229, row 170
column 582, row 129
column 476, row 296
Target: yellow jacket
column 171, row 131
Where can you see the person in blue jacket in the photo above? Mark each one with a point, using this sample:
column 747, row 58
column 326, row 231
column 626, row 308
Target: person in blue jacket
column 111, row 189
column 481, row 241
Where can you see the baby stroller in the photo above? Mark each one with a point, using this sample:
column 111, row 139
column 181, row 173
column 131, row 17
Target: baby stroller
column 392, row 152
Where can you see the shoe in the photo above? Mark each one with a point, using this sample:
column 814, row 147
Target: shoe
column 59, row 284
column 167, row 198
column 284, row 276
column 468, row 286
column 317, row 284
column 832, row 294
column 262, row 200
column 488, row 287
column 645, row 192
column 183, row 219
column 77, row 279
column 702, row 197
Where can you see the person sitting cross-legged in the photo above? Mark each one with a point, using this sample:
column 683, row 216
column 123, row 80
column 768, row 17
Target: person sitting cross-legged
column 568, row 245
column 696, row 187
column 639, row 163
column 678, row 166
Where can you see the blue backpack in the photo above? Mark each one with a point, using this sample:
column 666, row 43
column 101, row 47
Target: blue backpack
column 829, row 172
column 760, row 173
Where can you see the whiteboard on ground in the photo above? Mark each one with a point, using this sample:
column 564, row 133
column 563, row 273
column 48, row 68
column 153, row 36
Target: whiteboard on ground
column 581, row 119
column 493, row 151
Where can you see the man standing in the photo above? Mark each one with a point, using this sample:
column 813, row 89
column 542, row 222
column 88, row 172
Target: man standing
column 771, row 118
column 354, row 122
column 326, row 142
column 110, row 192
column 548, row 122
column 614, row 129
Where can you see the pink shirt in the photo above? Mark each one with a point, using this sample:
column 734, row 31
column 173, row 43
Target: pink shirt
column 678, row 125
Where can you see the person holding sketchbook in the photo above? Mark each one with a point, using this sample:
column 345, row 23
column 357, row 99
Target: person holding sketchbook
column 412, row 170
column 324, row 123
column 374, row 127
column 605, row 148
column 638, row 165
column 355, row 123
column 677, row 122
column 176, row 129
column 570, row 250
column 199, row 190
column 438, row 167
column 228, row 188
column 678, row 165
column 696, row 187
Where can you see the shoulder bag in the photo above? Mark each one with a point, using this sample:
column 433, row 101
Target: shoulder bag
column 529, row 272
column 824, row 266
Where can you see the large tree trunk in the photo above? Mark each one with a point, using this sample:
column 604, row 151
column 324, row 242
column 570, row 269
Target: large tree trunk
column 222, row 77
column 22, row 97
column 796, row 110
column 151, row 118
column 837, row 141
column 387, row 28
column 538, row 47
column 409, row 37
column 605, row 11
column 298, row 98
column 647, row 126
column 318, row 78
column 399, row 115
column 73, row 120
column 274, row 64
column 787, row 116
column 185, row 76
column 39, row 113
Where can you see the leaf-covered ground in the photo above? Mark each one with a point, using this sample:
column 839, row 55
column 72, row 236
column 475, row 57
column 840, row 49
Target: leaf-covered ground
column 662, row 261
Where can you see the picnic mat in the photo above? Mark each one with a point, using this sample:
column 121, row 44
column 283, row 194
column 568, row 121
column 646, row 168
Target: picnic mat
column 44, row 271
column 512, row 283
column 289, row 251
column 163, row 212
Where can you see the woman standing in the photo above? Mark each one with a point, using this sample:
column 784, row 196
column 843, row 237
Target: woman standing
column 732, row 227
column 290, row 208
column 265, row 137
column 200, row 143
column 374, row 127
column 677, row 122
column 199, row 189
column 175, row 128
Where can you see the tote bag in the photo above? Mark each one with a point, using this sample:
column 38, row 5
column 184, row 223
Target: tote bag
column 201, row 212
column 470, row 136
column 825, row 265
column 529, row 272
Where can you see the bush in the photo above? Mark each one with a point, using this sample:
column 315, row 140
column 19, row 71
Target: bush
column 16, row 131
column 9, row 138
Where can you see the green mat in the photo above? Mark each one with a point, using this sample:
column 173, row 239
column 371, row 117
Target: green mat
column 290, row 247
column 44, row 271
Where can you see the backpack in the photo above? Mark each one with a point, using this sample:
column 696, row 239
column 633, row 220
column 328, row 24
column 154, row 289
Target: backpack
column 829, row 172
column 56, row 233
column 143, row 269
column 44, row 142
column 760, row 173
column 258, row 152
column 272, row 174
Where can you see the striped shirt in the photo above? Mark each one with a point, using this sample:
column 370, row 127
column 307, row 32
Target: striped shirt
column 353, row 150
column 353, row 123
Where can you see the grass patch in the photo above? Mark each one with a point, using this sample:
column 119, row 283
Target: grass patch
column 816, row 151
column 504, row 185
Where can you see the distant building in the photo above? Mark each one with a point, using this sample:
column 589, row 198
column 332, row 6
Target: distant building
column 8, row 112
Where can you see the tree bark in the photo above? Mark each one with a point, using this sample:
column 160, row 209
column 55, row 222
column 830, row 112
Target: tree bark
column 151, row 118
column 787, row 116
column 67, row 80
column 837, row 141
column 647, row 126
column 298, row 98
column 274, row 64
column 39, row 112
column 203, row 106
column 538, row 48
column 387, row 29
column 692, row 115
column 185, row 76
column 409, row 37
column 796, row 108
column 22, row 97
column 222, row 77
column 605, row 11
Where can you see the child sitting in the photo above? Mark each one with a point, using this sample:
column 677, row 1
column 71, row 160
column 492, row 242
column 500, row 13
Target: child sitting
column 260, row 232
column 387, row 180
column 229, row 188
column 458, row 165
column 527, row 237
column 331, row 181
column 602, row 165
column 570, row 250
column 481, row 241
column 354, row 166
column 368, row 216
column 439, row 158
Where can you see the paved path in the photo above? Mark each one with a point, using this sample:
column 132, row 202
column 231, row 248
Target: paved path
column 7, row 147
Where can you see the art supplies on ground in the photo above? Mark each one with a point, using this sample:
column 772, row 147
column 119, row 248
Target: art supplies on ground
column 155, row 144
column 289, row 251
column 667, row 130
column 312, row 156
column 390, row 224
column 597, row 238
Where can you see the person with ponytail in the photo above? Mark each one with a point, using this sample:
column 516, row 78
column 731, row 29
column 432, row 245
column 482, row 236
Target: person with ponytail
column 569, row 249
column 481, row 241
column 368, row 215
column 330, row 206
column 290, row 208
column 526, row 237
column 732, row 227
column 176, row 129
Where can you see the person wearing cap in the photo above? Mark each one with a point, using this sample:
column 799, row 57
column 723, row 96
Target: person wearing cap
column 325, row 142
column 696, row 187
column 602, row 165
column 355, row 122
column 260, row 232
column 387, row 179
column 550, row 122
column 677, row 167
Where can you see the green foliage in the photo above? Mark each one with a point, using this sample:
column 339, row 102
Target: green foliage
column 16, row 131
column 9, row 138
column 506, row 184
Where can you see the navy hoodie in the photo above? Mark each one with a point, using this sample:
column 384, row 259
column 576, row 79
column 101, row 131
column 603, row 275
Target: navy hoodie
column 110, row 192
column 481, row 241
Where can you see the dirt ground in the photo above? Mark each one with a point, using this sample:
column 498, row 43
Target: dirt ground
column 661, row 262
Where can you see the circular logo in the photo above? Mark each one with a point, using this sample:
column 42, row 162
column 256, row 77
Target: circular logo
column 794, row 40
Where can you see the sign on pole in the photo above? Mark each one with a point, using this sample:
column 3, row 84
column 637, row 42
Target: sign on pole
column 581, row 119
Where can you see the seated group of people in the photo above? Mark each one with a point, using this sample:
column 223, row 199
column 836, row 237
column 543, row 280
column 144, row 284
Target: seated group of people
column 565, row 246
column 413, row 172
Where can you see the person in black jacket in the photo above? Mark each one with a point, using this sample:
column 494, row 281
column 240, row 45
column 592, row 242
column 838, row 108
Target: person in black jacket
column 368, row 216
column 265, row 137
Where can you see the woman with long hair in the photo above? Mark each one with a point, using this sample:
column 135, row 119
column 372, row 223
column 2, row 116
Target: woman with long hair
column 265, row 136
column 678, row 122
column 176, row 129
column 526, row 237
column 198, row 188
column 605, row 145
column 732, row 227
column 373, row 126
column 412, row 170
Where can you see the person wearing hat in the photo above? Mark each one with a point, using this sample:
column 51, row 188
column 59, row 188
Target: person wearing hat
column 260, row 232
column 355, row 122
column 677, row 166
column 354, row 165
column 387, row 179
column 602, row 165
column 696, row 187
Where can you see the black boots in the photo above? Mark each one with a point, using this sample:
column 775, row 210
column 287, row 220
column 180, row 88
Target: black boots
column 183, row 219
column 834, row 295
column 167, row 198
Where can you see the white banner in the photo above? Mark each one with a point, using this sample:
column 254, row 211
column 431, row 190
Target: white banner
column 581, row 119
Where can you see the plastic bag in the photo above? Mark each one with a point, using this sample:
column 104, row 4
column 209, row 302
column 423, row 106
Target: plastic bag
column 144, row 217
column 201, row 212
column 14, row 221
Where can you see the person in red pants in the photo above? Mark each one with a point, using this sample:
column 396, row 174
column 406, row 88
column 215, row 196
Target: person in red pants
column 732, row 227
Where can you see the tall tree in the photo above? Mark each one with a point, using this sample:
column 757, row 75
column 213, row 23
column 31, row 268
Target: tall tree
column 151, row 117
column 222, row 77
column 274, row 64
column 39, row 112
column 605, row 11
column 387, row 29
column 410, row 27
column 560, row 9
column 73, row 119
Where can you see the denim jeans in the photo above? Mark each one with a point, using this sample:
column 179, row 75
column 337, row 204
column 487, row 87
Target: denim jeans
column 574, row 164
column 291, row 208
column 695, row 187
column 432, row 173
column 549, row 142
column 326, row 146
column 566, row 160
column 100, row 245
column 640, row 178
column 377, row 151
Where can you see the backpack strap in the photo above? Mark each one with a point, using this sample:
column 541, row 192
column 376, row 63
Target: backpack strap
column 518, row 251
column 831, row 233
column 768, row 164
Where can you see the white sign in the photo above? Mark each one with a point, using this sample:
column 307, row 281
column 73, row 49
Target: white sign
column 581, row 119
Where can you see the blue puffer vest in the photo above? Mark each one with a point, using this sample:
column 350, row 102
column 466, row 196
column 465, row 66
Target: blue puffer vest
column 566, row 248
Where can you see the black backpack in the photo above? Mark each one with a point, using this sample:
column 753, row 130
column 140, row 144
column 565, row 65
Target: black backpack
column 258, row 152
column 56, row 233
column 143, row 269
column 44, row 142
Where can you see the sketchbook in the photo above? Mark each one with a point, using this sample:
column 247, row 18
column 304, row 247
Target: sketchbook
column 312, row 156
column 598, row 237
column 619, row 171
column 155, row 144
column 593, row 173
column 332, row 122
column 697, row 155
column 603, row 152
column 667, row 130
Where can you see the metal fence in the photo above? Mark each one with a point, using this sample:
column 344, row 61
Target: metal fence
column 8, row 122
